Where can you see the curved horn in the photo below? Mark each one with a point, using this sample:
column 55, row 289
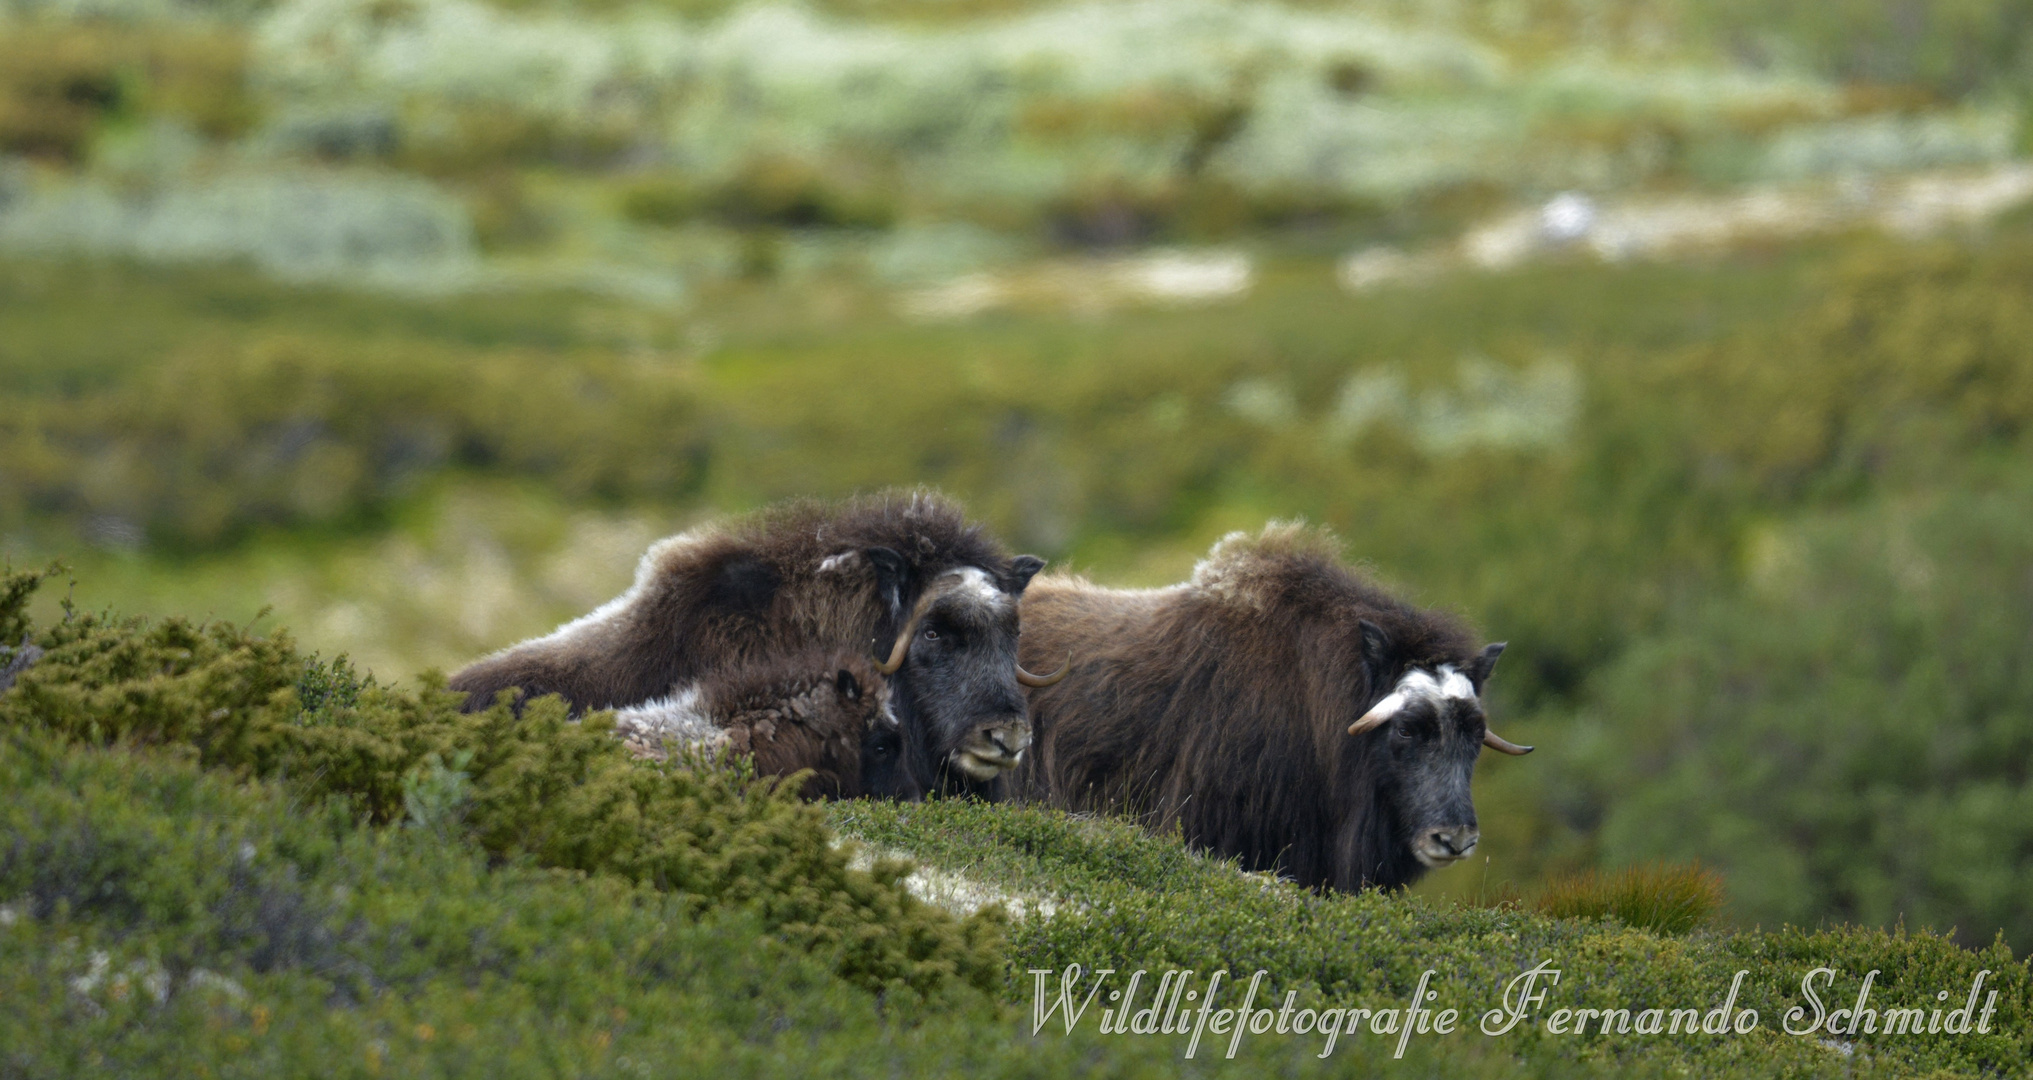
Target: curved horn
column 1378, row 713
column 904, row 636
column 1029, row 679
column 1368, row 721
column 1497, row 742
column 896, row 654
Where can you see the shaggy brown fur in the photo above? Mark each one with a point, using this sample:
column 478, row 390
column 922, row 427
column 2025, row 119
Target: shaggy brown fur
column 1223, row 705
column 823, row 711
column 796, row 577
column 782, row 580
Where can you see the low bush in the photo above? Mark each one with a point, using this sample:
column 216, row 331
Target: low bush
column 1104, row 894
column 1939, row 48
column 1844, row 736
column 536, row 786
column 161, row 919
column 164, row 919
column 62, row 83
column 221, row 437
column 1907, row 362
column 222, row 858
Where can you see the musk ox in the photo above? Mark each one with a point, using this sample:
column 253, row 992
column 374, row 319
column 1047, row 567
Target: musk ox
column 1277, row 707
column 901, row 576
column 826, row 711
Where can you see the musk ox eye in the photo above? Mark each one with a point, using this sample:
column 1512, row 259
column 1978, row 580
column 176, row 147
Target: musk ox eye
column 931, row 634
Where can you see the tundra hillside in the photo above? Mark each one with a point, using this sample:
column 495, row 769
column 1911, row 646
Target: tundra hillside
column 233, row 859
column 1682, row 344
column 1845, row 563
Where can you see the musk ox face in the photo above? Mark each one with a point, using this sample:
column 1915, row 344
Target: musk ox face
column 1426, row 735
column 860, row 743
column 956, row 676
column 882, row 759
column 1431, row 737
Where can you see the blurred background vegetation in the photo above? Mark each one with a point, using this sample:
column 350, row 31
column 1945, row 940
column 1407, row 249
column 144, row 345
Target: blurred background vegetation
column 1685, row 344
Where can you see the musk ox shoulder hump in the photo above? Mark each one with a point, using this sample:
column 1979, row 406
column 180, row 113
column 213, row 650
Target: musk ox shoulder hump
column 1257, row 571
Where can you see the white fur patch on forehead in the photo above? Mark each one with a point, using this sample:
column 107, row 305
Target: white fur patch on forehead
column 1454, row 684
column 972, row 582
column 1422, row 685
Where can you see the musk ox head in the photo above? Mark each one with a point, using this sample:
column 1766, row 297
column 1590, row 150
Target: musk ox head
column 1424, row 736
column 884, row 757
column 953, row 669
column 827, row 713
column 841, row 727
column 845, row 730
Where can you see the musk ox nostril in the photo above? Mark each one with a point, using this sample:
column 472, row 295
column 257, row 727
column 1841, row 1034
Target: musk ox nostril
column 1454, row 842
column 1012, row 738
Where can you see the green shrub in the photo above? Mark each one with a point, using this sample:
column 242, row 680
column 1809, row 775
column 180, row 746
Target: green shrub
column 220, row 437
column 660, row 200
column 62, row 82
column 786, row 191
column 1120, row 898
column 1950, row 49
column 1907, row 362
column 538, row 785
column 168, row 911
column 1844, row 736
column 165, row 920
column 16, row 589
column 769, row 191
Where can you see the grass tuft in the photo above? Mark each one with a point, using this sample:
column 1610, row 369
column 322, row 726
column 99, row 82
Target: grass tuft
column 1671, row 898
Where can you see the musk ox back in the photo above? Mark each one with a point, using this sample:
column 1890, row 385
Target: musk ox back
column 1278, row 707
column 828, row 712
column 865, row 575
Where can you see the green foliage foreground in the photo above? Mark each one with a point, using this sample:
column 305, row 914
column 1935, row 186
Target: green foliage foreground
column 223, row 858
column 534, row 787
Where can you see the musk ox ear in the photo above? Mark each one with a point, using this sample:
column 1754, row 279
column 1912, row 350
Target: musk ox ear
column 849, row 686
column 1021, row 570
column 744, row 584
column 1480, row 667
column 1377, row 661
column 891, row 573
